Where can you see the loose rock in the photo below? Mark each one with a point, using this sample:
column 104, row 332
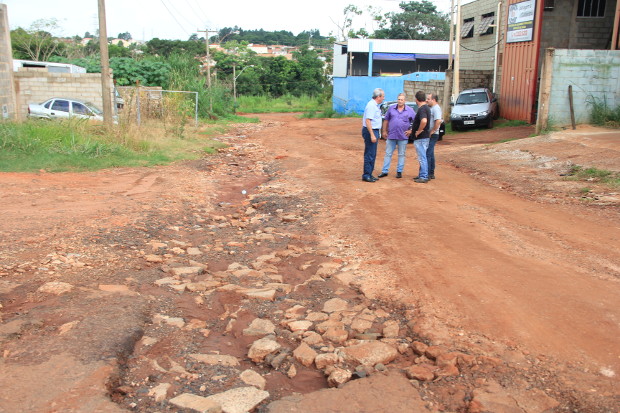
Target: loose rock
column 261, row 348
column 239, row 400
column 305, row 354
column 253, row 379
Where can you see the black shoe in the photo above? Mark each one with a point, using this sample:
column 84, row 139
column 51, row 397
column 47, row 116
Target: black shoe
column 382, row 174
column 399, row 174
column 416, row 177
column 420, row 180
column 374, row 178
column 371, row 179
column 431, row 176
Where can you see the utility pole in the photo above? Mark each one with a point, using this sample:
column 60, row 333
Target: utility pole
column 457, row 54
column 206, row 32
column 449, row 71
column 105, row 65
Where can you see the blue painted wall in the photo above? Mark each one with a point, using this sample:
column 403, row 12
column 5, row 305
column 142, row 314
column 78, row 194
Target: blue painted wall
column 594, row 74
column 351, row 94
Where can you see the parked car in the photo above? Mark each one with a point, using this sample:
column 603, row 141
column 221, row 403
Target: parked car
column 61, row 108
column 474, row 108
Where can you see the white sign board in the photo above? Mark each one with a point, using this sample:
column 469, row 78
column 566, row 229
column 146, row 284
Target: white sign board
column 521, row 21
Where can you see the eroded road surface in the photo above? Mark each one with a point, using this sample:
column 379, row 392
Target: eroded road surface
column 269, row 277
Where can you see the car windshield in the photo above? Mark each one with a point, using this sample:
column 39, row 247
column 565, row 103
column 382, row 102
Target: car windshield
column 94, row 108
column 472, row 98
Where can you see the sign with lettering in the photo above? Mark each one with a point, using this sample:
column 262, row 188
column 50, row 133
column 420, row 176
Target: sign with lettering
column 521, row 21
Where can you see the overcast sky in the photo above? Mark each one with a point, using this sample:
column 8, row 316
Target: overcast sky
column 179, row 19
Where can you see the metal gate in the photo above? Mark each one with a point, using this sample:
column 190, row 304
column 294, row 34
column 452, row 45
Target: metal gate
column 520, row 69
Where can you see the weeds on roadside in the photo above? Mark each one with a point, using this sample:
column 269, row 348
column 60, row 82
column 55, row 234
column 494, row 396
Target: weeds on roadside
column 327, row 113
column 578, row 173
column 505, row 123
column 500, row 123
column 603, row 115
column 283, row 104
column 77, row 145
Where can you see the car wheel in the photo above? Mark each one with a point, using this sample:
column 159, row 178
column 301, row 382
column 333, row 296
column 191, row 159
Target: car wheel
column 490, row 124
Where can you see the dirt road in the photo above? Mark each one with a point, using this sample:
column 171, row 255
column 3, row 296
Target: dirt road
column 500, row 256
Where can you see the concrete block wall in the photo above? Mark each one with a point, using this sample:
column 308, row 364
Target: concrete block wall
column 593, row 74
column 482, row 59
column 432, row 86
column 562, row 29
column 37, row 85
column 481, row 53
column 7, row 92
column 472, row 79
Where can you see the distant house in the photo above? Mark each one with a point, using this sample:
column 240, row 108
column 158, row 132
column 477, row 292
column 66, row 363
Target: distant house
column 122, row 42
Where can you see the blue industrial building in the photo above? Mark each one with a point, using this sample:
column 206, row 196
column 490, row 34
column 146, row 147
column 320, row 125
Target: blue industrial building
column 361, row 65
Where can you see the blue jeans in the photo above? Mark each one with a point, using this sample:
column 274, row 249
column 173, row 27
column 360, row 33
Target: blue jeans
column 421, row 145
column 390, row 145
column 430, row 154
column 370, row 151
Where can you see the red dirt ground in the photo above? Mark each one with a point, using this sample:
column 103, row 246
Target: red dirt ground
column 501, row 255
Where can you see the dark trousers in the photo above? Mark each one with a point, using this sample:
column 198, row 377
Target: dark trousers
column 430, row 154
column 370, row 151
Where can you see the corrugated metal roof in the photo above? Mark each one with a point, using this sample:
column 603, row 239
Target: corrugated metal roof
column 399, row 46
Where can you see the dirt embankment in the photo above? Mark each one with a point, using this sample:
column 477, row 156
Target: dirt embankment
column 272, row 271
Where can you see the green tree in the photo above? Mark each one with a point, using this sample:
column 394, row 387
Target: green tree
column 149, row 72
column 37, row 43
column 346, row 26
column 310, row 77
column 418, row 20
column 118, row 51
column 124, row 36
column 278, row 75
column 160, row 47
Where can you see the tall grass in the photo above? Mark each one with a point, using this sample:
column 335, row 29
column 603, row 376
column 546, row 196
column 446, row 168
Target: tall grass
column 185, row 75
column 286, row 103
column 579, row 173
column 76, row 145
column 603, row 115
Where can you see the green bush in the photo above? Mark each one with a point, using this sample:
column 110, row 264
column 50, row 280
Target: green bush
column 603, row 115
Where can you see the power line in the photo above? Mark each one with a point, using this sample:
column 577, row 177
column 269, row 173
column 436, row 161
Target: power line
column 179, row 13
column 175, row 19
column 204, row 15
column 193, row 10
column 483, row 50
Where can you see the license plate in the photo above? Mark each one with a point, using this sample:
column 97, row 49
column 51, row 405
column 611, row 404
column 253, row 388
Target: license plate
column 468, row 122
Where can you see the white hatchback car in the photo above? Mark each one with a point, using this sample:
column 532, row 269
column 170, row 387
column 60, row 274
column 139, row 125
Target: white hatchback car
column 61, row 108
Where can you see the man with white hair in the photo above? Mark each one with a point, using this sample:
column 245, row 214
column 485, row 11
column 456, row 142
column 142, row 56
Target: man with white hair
column 371, row 123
